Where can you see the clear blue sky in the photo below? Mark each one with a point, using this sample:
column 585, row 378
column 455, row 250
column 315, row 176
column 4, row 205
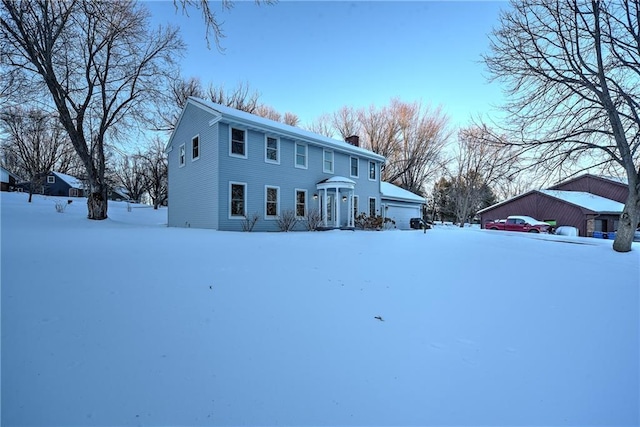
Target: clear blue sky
column 311, row 58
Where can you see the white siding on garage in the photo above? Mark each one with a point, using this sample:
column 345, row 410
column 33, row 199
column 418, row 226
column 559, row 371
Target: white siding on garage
column 402, row 214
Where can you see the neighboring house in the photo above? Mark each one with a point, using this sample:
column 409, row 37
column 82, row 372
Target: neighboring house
column 569, row 203
column 60, row 184
column 226, row 165
column 118, row 194
column 400, row 205
column 8, row 180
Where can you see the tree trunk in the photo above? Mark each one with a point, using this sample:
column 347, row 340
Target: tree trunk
column 628, row 221
column 97, row 203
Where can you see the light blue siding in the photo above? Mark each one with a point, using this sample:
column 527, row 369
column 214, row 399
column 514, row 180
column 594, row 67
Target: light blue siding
column 193, row 188
column 257, row 174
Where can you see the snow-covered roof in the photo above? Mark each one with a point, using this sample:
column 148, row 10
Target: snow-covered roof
column 586, row 200
column 339, row 179
column 293, row 132
column 71, row 180
column 390, row 191
column 7, row 173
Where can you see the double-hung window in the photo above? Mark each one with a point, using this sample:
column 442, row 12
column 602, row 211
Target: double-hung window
column 195, row 148
column 238, row 143
column 272, row 150
column 354, row 167
column 271, row 202
column 301, row 155
column 372, row 171
column 301, row 203
column 237, row 200
column 327, row 165
column 181, row 155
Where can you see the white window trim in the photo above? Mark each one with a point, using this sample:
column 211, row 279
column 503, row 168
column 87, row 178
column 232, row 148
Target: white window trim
column 246, row 143
column 375, row 171
column 193, row 159
column 333, row 157
column 182, row 155
column 295, row 202
column 266, row 159
column 375, row 209
column 51, row 179
column 357, row 175
column 246, row 207
column 306, row 155
column 271, row 217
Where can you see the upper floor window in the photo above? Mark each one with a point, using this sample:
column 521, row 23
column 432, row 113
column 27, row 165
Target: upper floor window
column 372, row 171
column 301, row 155
column 272, row 150
column 237, row 200
column 238, row 142
column 327, row 165
column 301, row 203
column 181, row 155
column 271, row 198
column 51, row 179
column 354, row 167
column 195, row 148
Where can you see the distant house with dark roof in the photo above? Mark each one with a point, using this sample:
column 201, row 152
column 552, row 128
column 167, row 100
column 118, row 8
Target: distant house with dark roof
column 8, row 180
column 60, row 184
column 589, row 203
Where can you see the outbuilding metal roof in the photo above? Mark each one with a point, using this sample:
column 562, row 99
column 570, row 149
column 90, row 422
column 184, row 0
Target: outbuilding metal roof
column 586, row 200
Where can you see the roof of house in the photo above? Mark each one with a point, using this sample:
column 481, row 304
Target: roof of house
column 613, row 179
column 586, row 200
column 9, row 173
column 71, row 180
column 504, row 202
column 391, row 191
column 579, row 198
column 249, row 120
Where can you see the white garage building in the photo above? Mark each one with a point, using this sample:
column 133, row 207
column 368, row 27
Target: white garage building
column 400, row 205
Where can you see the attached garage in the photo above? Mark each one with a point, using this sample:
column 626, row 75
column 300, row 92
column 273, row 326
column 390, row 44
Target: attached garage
column 400, row 205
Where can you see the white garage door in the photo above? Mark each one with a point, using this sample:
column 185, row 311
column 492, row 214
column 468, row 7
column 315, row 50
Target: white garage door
column 402, row 214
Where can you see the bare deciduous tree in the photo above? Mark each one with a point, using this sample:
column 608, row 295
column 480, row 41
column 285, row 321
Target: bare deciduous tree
column 322, row 126
column 37, row 144
column 241, row 97
column 291, row 119
column 422, row 136
column 346, row 122
column 572, row 70
column 480, row 163
column 129, row 173
column 155, row 169
column 213, row 25
column 101, row 67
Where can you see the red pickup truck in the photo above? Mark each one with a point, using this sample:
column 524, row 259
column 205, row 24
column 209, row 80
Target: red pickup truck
column 518, row 223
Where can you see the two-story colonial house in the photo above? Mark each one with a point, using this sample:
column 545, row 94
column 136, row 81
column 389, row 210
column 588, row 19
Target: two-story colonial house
column 226, row 165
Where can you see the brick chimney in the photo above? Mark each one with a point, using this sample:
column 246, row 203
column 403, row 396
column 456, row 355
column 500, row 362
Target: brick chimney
column 353, row 140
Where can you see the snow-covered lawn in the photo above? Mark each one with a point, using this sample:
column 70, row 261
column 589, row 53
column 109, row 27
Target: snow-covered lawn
column 127, row 322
